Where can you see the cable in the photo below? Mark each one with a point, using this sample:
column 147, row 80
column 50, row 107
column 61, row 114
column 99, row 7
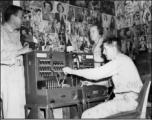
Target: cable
column 56, row 77
column 88, row 103
column 110, row 94
column 52, row 110
column 65, row 76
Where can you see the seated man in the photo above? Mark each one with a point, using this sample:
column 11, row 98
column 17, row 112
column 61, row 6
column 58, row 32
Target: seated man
column 125, row 77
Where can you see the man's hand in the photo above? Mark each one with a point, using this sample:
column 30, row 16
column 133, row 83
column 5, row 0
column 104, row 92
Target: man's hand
column 24, row 50
column 87, row 83
column 67, row 70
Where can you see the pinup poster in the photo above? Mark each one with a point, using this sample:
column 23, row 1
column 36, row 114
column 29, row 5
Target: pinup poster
column 145, row 4
column 136, row 31
column 70, row 10
column 26, row 34
column 136, row 5
column 79, row 3
column 119, row 8
column 94, row 4
column 137, row 17
column 128, row 19
column 106, row 19
column 107, row 7
column 129, row 6
column 146, row 15
column 120, row 21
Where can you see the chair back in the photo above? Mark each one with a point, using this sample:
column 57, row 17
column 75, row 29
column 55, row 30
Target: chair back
column 143, row 98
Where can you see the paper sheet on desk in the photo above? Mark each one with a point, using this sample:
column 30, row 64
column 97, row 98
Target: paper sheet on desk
column 58, row 113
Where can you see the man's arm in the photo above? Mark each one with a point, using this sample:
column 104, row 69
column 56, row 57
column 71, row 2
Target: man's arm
column 10, row 56
column 104, row 71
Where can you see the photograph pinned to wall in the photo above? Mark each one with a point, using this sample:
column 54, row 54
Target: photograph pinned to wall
column 35, row 25
column 128, row 32
column 89, row 17
column 26, row 18
column 148, row 43
column 137, row 18
column 25, row 4
column 83, row 44
column 124, row 46
column 59, row 7
column 36, row 3
column 145, row 4
column 52, row 42
column 136, row 30
column 146, row 15
column 47, row 27
column 106, row 20
column 70, row 10
column 128, row 6
column 68, row 27
column 107, row 7
column 121, row 33
column 93, row 15
column 79, row 3
column 48, row 42
column 99, row 18
column 128, row 19
column 60, row 17
column 83, row 29
column 134, row 49
column 36, row 14
column 136, row 5
column 150, row 28
column 39, row 37
column 76, row 28
column 72, row 28
column 119, row 8
column 78, row 14
column 120, row 22
column 85, row 15
column 47, row 8
column 94, row 4
column 142, row 43
column 62, row 44
column 26, row 34
column 71, row 42
column 144, row 29
column 112, row 25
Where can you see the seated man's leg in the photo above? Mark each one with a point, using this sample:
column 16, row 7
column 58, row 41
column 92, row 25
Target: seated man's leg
column 111, row 107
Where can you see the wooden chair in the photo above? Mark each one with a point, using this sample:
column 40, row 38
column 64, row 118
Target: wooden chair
column 140, row 111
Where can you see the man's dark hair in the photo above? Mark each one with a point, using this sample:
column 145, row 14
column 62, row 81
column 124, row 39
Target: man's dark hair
column 58, row 7
column 113, row 41
column 11, row 10
column 48, row 2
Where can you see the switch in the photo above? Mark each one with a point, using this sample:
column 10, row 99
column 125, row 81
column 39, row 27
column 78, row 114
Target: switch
column 52, row 101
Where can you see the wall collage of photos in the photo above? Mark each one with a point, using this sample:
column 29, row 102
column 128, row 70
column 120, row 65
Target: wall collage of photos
column 53, row 25
column 133, row 20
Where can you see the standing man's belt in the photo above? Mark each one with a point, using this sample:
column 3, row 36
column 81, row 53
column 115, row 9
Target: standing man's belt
column 4, row 64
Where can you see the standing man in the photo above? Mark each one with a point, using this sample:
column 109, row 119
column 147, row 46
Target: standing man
column 125, row 77
column 12, row 69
